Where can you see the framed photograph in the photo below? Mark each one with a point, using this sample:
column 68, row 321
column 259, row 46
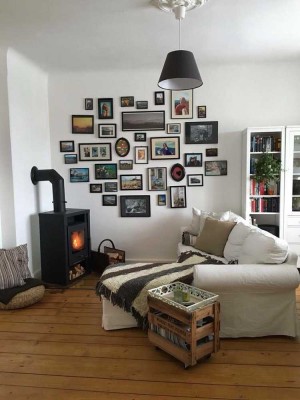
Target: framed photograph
column 177, row 197
column 215, row 168
column 122, row 147
column 105, row 171
column 105, row 108
column 173, row 128
column 177, row 172
column 110, row 186
column 157, row 178
column 79, row 175
column 66, row 146
column 135, row 206
column 143, row 121
column 182, row 103
column 125, row 164
column 195, row 180
column 88, row 104
column 164, row 148
column 141, row 155
column 193, row 159
column 70, row 158
column 161, row 199
column 131, row 182
column 201, row 132
column 127, row 101
column 107, row 130
column 159, row 98
column 201, row 110
column 94, row 151
column 109, row 200
column 95, row 187
column 142, row 105
column 211, row 152
column 140, row 136
column 82, row 124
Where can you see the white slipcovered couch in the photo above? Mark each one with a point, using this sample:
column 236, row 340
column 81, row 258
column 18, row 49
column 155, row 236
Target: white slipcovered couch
column 257, row 295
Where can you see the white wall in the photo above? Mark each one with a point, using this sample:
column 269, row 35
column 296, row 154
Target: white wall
column 30, row 145
column 237, row 96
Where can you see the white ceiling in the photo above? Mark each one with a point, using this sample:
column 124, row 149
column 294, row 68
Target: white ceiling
column 105, row 34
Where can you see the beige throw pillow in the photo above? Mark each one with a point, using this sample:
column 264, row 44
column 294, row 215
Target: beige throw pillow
column 214, row 236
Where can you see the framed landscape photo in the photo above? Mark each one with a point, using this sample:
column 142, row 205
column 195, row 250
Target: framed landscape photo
column 105, row 108
column 193, row 159
column 195, row 180
column 141, row 154
column 107, row 130
column 70, row 158
column 122, row 147
column 211, row 152
column 140, row 136
column 201, row 132
column 182, row 104
column 66, row 146
column 143, row 120
column 82, row 124
column 95, row 187
column 109, row 200
column 135, row 206
column 127, row 101
column 125, row 164
column 173, row 128
column 94, row 151
column 88, row 104
column 159, row 98
column 142, row 105
column 105, row 171
column 131, row 182
column 215, row 168
column 161, row 199
column 164, row 148
column 110, row 186
column 79, row 175
column 177, row 197
column 157, row 178
column 201, row 111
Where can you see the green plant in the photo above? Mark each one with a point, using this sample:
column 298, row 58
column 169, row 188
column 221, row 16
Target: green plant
column 267, row 168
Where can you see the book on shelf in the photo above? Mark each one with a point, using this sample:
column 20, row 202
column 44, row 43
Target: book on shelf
column 263, row 143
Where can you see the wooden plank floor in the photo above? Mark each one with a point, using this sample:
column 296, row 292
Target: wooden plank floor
column 57, row 349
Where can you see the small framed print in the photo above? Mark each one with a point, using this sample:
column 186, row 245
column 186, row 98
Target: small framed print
column 107, row 130
column 161, row 199
column 88, row 104
column 211, row 152
column 122, row 147
column 79, row 175
column 141, row 154
column 157, row 178
column 201, row 132
column 142, row 105
column 201, row 110
column 110, row 186
column 95, row 187
column 182, row 104
column 140, row 136
column 173, row 128
column 131, row 182
column 109, row 200
column 66, row 146
column 193, row 159
column 177, row 197
column 135, row 206
column 159, row 98
column 94, row 151
column 105, row 108
column 195, row 180
column 215, row 168
column 70, row 158
column 82, row 124
column 125, row 164
column 164, row 148
column 127, row 101
column 105, row 171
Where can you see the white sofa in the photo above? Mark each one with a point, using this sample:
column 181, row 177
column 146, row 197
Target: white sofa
column 257, row 295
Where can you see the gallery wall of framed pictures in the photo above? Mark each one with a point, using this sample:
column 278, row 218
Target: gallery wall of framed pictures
column 112, row 159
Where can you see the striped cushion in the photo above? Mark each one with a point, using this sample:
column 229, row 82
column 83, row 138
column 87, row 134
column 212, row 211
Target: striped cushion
column 14, row 267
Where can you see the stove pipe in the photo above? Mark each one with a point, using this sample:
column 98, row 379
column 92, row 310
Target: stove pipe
column 58, row 188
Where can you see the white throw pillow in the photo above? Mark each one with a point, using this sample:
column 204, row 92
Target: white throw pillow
column 220, row 216
column 235, row 241
column 194, row 226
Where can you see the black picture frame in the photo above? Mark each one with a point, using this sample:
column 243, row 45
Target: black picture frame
column 109, row 199
column 161, row 199
column 66, row 146
column 127, row 101
column 157, row 178
column 110, row 186
column 201, row 111
column 122, row 147
column 165, row 147
column 94, row 151
column 70, row 158
column 106, row 171
column 215, row 168
column 82, row 124
column 141, row 105
column 177, row 196
column 143, row 121
column 211, row 152
column 95, row 187
column 131, row 182
column 201, row 132
column 159, row 98
column 135, row 206
column 107, row 130
column 194, row 179
column 193, row 159
column 177, row 172
column 125, row 165
column 88, row 104
column 105, row 108
column 79, row 175
column 140, row 137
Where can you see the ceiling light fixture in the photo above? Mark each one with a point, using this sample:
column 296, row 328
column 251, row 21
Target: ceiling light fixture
column 180, row 71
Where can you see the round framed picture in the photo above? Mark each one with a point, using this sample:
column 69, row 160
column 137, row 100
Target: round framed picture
column 122, row 147
column 177, row 172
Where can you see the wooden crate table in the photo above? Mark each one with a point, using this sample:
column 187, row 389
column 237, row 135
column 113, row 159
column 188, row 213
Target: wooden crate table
column 187, row 330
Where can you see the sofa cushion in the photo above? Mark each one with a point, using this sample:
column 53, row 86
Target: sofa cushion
column 235, row 241
column 199, row 217
column 214, row 236
column 13, row 267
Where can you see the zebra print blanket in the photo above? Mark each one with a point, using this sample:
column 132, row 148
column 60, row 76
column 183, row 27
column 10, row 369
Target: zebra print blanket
column 127, row 285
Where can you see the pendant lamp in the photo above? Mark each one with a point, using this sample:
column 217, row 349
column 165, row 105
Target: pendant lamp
column 180, row 71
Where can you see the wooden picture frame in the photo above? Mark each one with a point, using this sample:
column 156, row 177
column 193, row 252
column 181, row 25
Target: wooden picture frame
column 79, row 175
column 135, row 206
column 122, row 147
column 201, row 132
column 193, row 159
column 143, row 121
column 195, row 179
column 107, row 130
column 95, row 187
column 157, row 178
column 182, row 104
column 164, row 148
column 109, row 199
column 70, row 158
column 127, row 101
column 141, row 154
column 125, row 165
column 131, row 182
column 159, row 98
column 174, row 128
column 201, row 111
column 105, row 108
column 211, row 152
column 66, row 146
column 94, row 151
column 177, row 196
column 106, row 171
column 215, row 168
column 83, row 124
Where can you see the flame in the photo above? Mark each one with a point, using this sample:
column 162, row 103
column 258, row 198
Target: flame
column 77, row 240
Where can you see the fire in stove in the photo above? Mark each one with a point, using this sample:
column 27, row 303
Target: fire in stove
column 77, row 240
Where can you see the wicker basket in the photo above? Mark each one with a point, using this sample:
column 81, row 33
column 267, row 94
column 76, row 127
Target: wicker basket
column 24, row 299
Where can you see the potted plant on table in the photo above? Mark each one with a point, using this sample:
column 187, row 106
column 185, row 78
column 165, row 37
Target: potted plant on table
column 267, row 170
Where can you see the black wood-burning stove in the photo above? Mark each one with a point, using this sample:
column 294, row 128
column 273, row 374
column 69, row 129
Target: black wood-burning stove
column 64, row 236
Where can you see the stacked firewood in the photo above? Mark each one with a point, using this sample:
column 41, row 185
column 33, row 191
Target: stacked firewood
column 76, row 271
